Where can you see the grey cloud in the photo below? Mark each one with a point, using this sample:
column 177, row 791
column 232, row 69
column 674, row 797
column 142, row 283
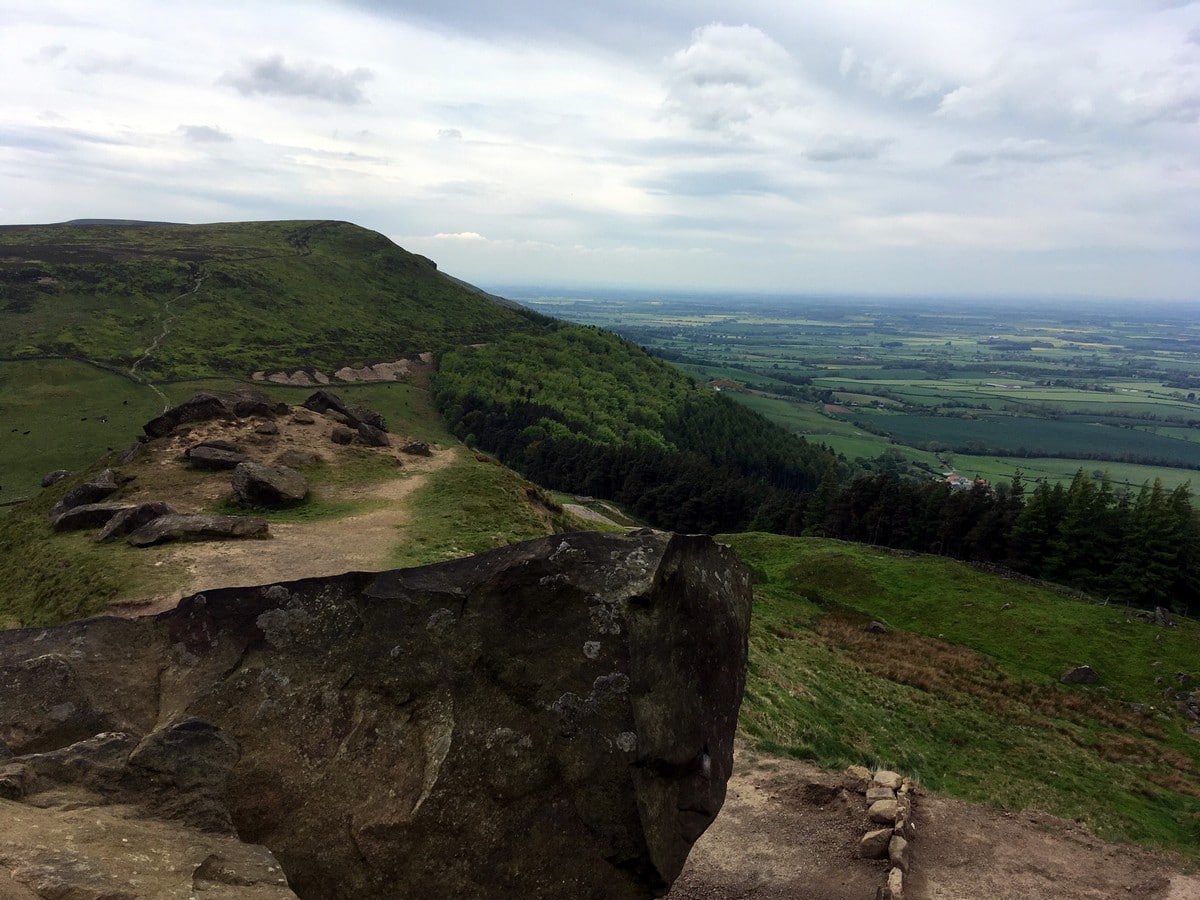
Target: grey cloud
column 449, row 134
column 712, row 184
column 276, row 77
column 839, row 148
column 46, row 54
column 1014, row 151
column 204, row 134
column 52, row 140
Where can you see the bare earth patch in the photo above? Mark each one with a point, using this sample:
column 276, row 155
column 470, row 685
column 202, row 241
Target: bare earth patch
column 785, row 832
column 360, row 542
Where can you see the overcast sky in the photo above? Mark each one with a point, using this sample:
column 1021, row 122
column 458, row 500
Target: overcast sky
column 1009, row 147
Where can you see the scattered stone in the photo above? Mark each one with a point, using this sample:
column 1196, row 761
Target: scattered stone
column 372, row 436
column 1080, row 675
column 341, row 434
column 133, row 518
column 416, row 448
column 132, row 452
column 201, row 408
column 877, row 628
column 880, row 793
column 1162, row 617
column 254, row 483
column 895, row 883
column 898, row 852
column 1006, row 606
column 184, row 527
column 874, row 844
column 267, row 428
column 304, row 417
column 295, row 457
column 211, row 457
column 857, row 778
column 54, row 477
column 889, row 779
column 883, row 811
column 87, row 515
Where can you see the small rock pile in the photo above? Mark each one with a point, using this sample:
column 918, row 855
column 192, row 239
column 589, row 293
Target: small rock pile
column 889, row 797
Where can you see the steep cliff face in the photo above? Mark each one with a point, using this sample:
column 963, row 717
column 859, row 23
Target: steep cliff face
column 552, row 719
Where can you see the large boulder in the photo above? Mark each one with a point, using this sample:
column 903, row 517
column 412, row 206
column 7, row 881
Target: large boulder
column 210, row 457
column 132, row 518
column 256, row 484
column 324, row 401
column 197, row 527
column 200, row 408
column 94, row 490
column 1080, row 675
column 551, row 719
column 87, row 515
column 372, row 436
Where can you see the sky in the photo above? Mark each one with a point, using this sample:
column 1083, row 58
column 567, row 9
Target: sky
column 1046, row 148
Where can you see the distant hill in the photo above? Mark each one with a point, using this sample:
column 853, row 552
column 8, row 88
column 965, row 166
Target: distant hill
column 231, row 298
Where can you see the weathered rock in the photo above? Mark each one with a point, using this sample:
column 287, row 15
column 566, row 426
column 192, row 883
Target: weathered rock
column 211, row 457
column 1162, row 617
column 898, row 852
column 369, row 416
column 87, row 515
column 94, row 490
column 266, row 428
column 857, row 778
column 880, row 793
column 132, row 452
column 323, row 401
column 895, row 883
column 255, row 483
column 416, row 448
column 131, row 519
column 197, row 527
column 876, row 628
column 889, row 779
column 874, row 844
column 54, row 477
column 296, row 457
column 341, row 434
column 303, row 417
column 882, row 811
column 201, row 408
column 254, row 403
column 372, row 436
column 551, row 719
column 1080, row 675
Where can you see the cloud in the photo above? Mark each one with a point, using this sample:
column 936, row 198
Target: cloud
column 839, row 148
column 712, row 184
column 204, row 134
column 276, row 77
column 46, row 54
column 727, row 76
column 1015, row 150
column 449, row 134
column 459, row 236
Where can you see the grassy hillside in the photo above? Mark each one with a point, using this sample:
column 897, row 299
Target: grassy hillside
column 964, row 693
column 231, row 298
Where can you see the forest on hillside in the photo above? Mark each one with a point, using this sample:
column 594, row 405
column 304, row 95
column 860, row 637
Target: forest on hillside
column 582, row 410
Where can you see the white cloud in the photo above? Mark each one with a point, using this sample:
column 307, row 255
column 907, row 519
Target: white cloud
column 728, row 76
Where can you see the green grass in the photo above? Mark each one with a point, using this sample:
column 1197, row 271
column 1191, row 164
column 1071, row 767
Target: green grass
column 472, row 505
column 963, row 693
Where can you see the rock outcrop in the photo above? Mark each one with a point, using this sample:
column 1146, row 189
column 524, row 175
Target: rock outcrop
column 551, row 719
column 254, row 483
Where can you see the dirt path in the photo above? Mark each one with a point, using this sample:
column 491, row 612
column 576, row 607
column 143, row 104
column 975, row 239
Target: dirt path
column 786, row 832
column 296, row 550
column 169, row 318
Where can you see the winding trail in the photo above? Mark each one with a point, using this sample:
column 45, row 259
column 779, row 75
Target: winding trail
column 168, row 322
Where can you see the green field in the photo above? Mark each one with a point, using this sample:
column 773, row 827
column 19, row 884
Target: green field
column 963, row 694
column 1084, row 385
